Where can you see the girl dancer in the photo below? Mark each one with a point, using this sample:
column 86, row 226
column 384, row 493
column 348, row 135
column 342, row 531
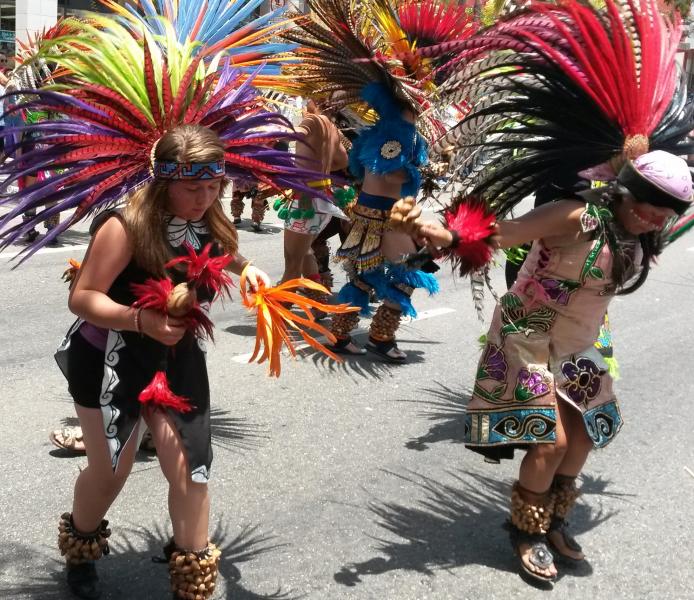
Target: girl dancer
column 167, row 143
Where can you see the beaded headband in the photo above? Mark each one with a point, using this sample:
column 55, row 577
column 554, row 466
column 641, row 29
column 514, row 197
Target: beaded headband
column 191, row 170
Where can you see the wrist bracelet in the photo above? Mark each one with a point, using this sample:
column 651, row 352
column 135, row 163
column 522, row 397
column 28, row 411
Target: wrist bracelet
column 138, row 321
column 455, row 242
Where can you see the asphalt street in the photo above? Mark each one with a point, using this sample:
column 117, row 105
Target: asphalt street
column 350, row 481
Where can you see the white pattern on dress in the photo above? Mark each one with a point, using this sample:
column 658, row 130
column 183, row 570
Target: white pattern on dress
column 110, row 413
column 200, row 475
column 202, row 342
column 180, row 231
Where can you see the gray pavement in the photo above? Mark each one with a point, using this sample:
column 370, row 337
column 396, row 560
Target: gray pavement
column 351, row 481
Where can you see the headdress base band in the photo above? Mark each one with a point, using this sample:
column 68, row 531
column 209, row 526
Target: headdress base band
column 188, row 171
column 647, row 191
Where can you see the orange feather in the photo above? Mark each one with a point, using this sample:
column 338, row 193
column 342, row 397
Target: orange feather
column 274, row 320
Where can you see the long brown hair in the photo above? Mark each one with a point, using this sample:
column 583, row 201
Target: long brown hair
column 146, row 208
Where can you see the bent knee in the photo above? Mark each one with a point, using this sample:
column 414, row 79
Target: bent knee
column 186, row 487
column 552, row 452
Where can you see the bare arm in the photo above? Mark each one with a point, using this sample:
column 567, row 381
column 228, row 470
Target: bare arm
column 254, row 274
column 237, row 264
column 107, row 256
column 561, row 219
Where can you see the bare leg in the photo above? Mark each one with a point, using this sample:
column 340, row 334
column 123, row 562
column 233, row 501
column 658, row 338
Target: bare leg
column 189, row 503
column 237, row 206
column 537, row 472
column 394, row 245
column 97, row 485
column 296, row 247
column 579, row 447
column 541, row 462
column 309, row 267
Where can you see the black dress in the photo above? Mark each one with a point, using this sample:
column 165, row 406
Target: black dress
column 111, row 376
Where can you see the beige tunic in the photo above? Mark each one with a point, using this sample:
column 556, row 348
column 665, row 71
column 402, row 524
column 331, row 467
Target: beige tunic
column 540, row 349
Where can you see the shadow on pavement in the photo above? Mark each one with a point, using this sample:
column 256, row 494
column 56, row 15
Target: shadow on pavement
column 129, row 572
column 242, row 330
column 265, row 228
column 366, row 366
column 233, row 433
column 446, row 407
column 452, row 525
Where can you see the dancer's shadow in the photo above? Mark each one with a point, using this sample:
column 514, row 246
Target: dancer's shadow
column 73, row 238
column 446, row 407
column 451, row 525
column 129, row 571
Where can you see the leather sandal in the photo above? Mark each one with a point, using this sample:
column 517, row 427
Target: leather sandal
column 68, row 438
column 342, row 346
column 387, row 349
column 540, row 555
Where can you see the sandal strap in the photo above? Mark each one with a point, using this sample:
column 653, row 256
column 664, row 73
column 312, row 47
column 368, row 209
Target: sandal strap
column 67, row 436
column 385, row 347
column 562, row 526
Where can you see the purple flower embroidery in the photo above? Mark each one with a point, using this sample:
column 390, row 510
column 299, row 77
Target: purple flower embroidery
column 559, row 290
column 530, row 384
column 583, row 379
column 555, row 292
column 493, row 364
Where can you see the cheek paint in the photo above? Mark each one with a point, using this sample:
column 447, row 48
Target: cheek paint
column 657, row 220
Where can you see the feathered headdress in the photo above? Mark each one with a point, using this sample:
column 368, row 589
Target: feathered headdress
column 345, row 46
column 124, row 95
column 217, row 26
column 556, row 89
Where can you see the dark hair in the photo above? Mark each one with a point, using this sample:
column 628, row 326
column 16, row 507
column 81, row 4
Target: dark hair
column 625, row 277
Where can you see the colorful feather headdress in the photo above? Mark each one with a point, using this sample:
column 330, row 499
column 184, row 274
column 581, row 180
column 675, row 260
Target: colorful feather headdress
column 346, row 45
column 217, row 25
column 124, row 95
column 556, row 89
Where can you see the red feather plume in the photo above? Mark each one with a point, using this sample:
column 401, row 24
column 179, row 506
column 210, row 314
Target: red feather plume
column 475, row 225
column 204, row 270
column 158, row 392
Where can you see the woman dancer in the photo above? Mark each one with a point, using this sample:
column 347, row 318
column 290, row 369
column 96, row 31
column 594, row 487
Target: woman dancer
column 576, row 90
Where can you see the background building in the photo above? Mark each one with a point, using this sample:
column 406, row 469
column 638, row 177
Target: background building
column 20, row 18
